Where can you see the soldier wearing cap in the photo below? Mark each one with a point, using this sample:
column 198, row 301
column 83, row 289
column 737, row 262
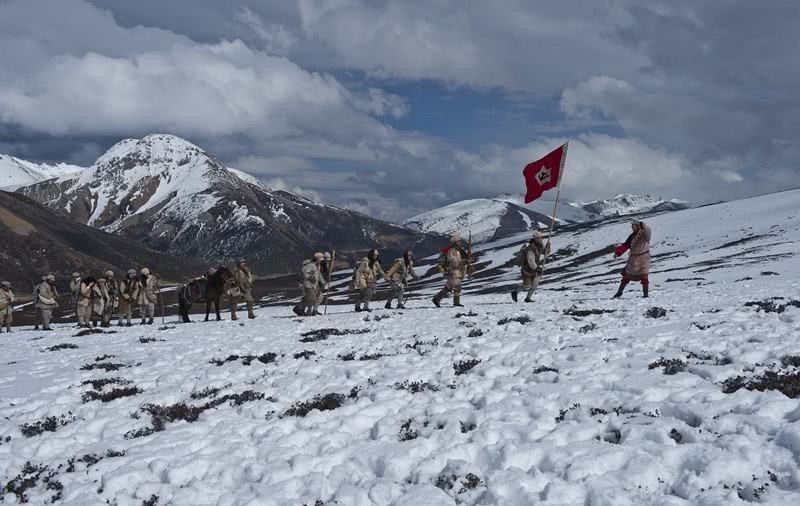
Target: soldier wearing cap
column 112, row 290
column 6, row 305
column 454, row 262
column 242, row 287
column 311, row 285
column 99, row 301
column 47, row 300
column 531, row 258
column 128, row 296
column 148, row 296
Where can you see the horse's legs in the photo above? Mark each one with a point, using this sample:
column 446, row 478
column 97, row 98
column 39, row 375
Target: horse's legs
column 216, row 308
column 183, row 310
column 208, row 309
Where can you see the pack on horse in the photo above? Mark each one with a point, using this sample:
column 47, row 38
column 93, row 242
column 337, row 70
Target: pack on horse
column 208, row 289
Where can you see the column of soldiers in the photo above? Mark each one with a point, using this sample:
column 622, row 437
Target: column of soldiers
column 94, row 300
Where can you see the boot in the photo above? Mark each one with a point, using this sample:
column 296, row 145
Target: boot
column 129, row 324
column 120, row 324
column 622, row 285
column 528, row 297
column 388, row 305
column 514, row 295
column 150, row 321
column 645, row 290
column 143, row 322
column 400, row 305
column 358, row 308
column 457, row 301
column 298, row 311
column 250, row 314
column 233, row 313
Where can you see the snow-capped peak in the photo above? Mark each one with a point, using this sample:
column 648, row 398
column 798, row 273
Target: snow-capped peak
column 626, row 203
column 15, row 172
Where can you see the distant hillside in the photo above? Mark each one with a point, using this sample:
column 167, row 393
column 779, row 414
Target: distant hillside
column 37, row 240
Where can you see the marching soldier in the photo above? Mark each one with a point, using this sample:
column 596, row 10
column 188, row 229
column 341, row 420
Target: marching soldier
column 112, row 290
column 148, row 296
column 87, row 294
column 74, row 292
column 6, row 306
column 311, row 285
column 47, row 300
column 243, row 284
column 99, row 301
column 37, row 316
column 532, row 257
column 324, row 276
column 128, row 296
column 454, row 262
column 397, row 277
column 367, row 274
column 638, row 266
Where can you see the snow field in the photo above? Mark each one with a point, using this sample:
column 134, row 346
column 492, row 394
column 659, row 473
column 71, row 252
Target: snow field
column 574, row 399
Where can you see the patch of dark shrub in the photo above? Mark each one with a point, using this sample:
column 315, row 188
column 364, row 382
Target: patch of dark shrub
column 466, row 427
column 325, row 402
column 787, row 383
column 103, row 357
column 588, row 328
column 49, row 424
column 475, row 333
column 152, row 501
column 790, row 360
column 264, row 358
column 372, row 356
column 62, row 346
column 470, row 314
column 770, row 306
column 543, row 368
column 522, row 320
column 145, row 340
column 655, row 312
column 106, row 366
column 98, row 384
column 671, row 366
column 464, row 366
column 306, row 354
column 562, row 413
column 580, row 313
column 347, row 357
column 406, row 432
column 323, row 334
column 28, row 478
column 416, row 387
column 116, row 393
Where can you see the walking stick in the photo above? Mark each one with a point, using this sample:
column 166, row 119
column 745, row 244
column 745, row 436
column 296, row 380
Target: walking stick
column 328, row 285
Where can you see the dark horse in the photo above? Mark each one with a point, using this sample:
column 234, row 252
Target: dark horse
column 208, row 289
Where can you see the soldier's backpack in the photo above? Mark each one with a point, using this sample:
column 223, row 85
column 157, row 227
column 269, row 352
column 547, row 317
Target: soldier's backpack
column 442, row 260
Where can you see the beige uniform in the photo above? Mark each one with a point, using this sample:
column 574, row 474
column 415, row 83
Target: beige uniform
column 311, row 288
column 367, row 277
column 128, row 298
column 6, row 308
column 46, row 302
column 148, row 296
column 397, row 277
column 243, row 283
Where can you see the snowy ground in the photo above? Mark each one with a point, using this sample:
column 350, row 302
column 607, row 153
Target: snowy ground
column 564, row 401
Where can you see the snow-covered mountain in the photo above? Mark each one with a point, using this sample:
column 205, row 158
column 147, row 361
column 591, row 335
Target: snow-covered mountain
column 176, row 198
column 15, row 172
column 504, row 215
column 626, row 204
column 487, row 219
column 689, row 397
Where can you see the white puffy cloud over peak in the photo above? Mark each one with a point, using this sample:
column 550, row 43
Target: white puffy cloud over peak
column 687, row 99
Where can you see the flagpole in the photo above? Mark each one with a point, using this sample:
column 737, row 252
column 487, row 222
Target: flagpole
column 555, row 205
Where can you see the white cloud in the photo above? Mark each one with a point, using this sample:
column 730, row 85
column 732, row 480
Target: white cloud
column 277, row 38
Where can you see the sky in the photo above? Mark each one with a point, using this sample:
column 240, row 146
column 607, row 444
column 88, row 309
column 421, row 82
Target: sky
column 394, row 108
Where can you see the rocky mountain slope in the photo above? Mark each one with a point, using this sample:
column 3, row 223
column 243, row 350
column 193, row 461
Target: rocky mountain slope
column 176, row 198
column 627, row 204
column 15, row 172
column 36, row 241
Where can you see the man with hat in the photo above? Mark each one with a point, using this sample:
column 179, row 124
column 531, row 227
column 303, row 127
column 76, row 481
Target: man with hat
column 47, row 300
column 148, row 296
column 397, row 276
column 638, row 266
column 99, row 301
column 454, row 262
column 311, row 285
column 34, row 299
column 242, row 287
column 112, row 290
column 531, row 258
column 6, row 305
column 128, row 296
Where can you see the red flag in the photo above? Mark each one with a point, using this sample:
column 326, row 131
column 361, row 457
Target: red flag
column 543, row 174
